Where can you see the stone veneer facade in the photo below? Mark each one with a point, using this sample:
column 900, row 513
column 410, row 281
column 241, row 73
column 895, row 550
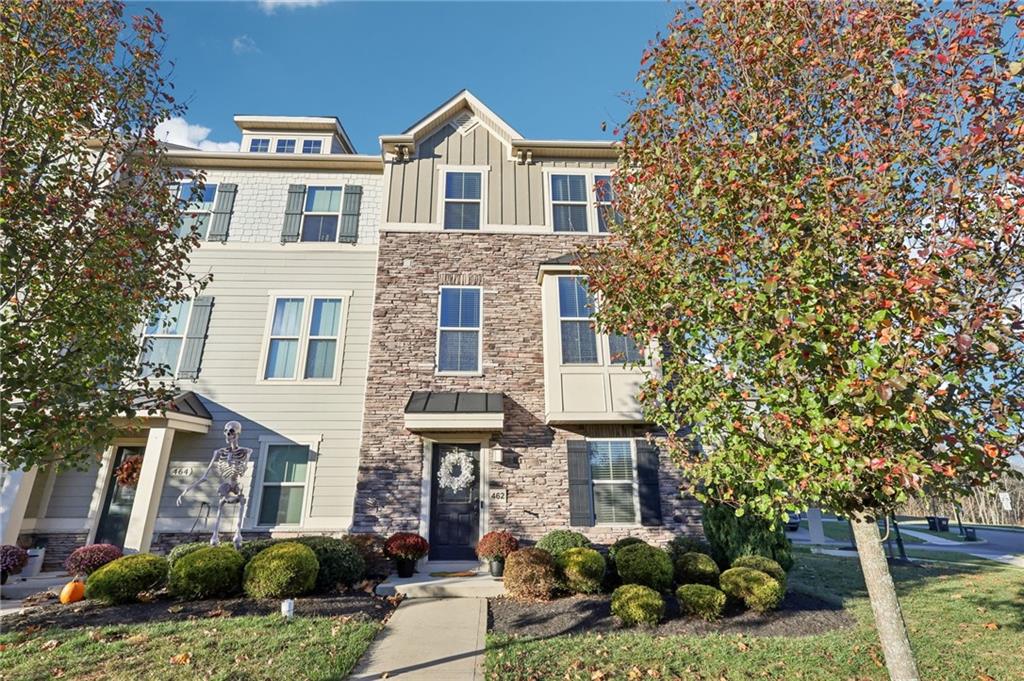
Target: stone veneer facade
column 411, row 267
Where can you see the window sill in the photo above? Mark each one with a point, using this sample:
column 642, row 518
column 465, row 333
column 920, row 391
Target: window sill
column 464, row 374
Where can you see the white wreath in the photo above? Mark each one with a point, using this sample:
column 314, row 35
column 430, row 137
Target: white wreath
column 445, row 474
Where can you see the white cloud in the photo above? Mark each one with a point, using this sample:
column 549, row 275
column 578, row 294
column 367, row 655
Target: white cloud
column 269, row 6
column 179, row 131
column 243, row 44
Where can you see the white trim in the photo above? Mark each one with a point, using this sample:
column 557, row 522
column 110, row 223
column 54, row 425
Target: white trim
column 479, row 371
column 636, row 482
column 173, row 373
column 56, row 525
column 598, row 349
column 303, row 338
column 320, row 213
column 433, row 227
column 589, row 175
column 443, row 170
column 311, row 246
column 460, row 422
column 257, row 482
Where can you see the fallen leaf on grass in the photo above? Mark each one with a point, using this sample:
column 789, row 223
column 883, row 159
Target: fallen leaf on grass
column 985, row 677
column 181, row 658
column 51, row 644
column 743, row 647
column 33, row 628
column 218, row 612
column 991, row 625
column 874, row 658
column 96, row 635
column 137, row 638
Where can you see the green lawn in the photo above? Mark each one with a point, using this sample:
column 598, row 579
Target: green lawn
column 250, row 647
column 840, row 531
column 965, row 622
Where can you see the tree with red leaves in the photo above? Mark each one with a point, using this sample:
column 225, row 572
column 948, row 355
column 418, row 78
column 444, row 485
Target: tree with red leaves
column 822, row 222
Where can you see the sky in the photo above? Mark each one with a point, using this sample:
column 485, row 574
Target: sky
column 551, row 70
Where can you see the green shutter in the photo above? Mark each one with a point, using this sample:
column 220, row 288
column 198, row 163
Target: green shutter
column 293, row 213
column 222, row 208
column 195, row 338
column 349, row 231
column 581, row 499
column 648, row 488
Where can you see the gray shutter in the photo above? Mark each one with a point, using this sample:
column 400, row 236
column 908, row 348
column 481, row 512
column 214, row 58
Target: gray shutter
column 195, row 338
column 222, row 208
column 293, row 213
column 349, row 232
column 647, row 483
column 581, row 500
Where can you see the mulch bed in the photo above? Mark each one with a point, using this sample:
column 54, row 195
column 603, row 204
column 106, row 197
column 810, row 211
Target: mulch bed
column 93, row 614
column 799, row 615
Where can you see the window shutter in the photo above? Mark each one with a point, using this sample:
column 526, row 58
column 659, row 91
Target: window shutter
column 195, row 337
column 349, row 232
column 222, row 208
column 293, row 213
column 647, row 483
column 581, row 500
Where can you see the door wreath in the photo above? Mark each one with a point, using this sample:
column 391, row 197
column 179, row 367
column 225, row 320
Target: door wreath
column 446, row 471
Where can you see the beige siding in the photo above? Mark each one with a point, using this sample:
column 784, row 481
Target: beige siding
column 515, row 192
column 72, row 493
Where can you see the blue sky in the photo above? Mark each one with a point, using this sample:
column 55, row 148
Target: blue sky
column 552, row 70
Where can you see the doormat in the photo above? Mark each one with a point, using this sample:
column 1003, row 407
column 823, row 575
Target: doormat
column 464, row 573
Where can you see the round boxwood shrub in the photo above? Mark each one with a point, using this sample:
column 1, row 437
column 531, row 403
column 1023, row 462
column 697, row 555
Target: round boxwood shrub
column 681, row 544
column 340, row 562
column 701, row 600
column 530, row 574
column 636, row 604
column 557, row 541
column 614, row 549
column 122, row 580
column 766, row 565
column 182, row 550
column 646, row 565
column 757, row 590
column 86, row 560
column 696, row 568
column 582, row 570
column 253, row 546
column 281, row 571
column 207, row 572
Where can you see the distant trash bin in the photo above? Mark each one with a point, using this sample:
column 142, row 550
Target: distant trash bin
column 933, row 524
column 943, row 523
column 970, row 534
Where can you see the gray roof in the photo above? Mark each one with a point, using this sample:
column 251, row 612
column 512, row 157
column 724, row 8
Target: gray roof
column 186, row 402
column 429, row 402
column 567, row 259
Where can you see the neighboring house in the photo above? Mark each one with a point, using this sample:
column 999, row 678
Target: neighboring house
column 483, row 349
column 278, row 341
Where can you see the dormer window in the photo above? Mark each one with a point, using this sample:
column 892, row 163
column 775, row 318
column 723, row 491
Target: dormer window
column 259, row 145
column 312, row 146
column 285, row 146
column 462, row 200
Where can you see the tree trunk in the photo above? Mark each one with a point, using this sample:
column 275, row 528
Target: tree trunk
column 892, row 630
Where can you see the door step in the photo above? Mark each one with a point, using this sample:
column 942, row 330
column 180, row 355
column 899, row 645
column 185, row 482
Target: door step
column 464, row 579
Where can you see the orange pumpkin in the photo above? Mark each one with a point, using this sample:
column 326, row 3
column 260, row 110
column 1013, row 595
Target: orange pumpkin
column 72, row 592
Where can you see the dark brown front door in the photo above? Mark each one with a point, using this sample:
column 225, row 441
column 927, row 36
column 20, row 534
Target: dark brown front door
column 454, row 515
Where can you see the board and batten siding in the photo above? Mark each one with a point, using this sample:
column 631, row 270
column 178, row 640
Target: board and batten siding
column 515, row 191
column 228, row 384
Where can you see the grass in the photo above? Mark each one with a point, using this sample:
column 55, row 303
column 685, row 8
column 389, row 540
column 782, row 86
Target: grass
column 840, row 531
column 965, row 622
column 256, row 647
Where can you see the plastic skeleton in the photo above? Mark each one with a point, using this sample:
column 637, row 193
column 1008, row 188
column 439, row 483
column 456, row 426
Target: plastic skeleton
column 230, row 464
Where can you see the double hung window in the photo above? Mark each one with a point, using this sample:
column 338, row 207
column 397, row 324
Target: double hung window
column 283, row 486
column 459, row 330
column 195, row 214
column 304, row 338
column 575, row 309
column 320, row 218
column 463, row 201
column 163, row 338
column 613, row 481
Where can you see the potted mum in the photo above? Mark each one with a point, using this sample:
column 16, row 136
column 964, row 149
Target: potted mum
column 12, row 559
column 406, row 548
column 494, row 547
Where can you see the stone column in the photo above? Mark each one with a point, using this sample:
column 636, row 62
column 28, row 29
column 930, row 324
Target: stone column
column 814, row 525
column 139, row 535
column 14, row 493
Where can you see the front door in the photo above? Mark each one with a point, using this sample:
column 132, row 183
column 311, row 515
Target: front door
column 117, row 506
column 454, row 513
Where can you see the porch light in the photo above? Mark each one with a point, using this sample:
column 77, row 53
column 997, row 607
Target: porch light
column 497, row 455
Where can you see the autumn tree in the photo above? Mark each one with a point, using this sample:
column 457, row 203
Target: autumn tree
column 822, row 214
column 89, row 223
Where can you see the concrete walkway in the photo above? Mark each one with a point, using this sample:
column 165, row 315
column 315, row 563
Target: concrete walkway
column 440, row 639
column 932, row 539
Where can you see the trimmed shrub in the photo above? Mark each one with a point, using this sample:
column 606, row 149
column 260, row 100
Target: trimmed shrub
column 614, row 549
column 122, row 580
column 750, row 534
column 696, row 568
column 765, row 565
column 646, row 565
column 757, row 590
column 530, row 574
column 371, row 548
column 701, row 600
column 182, row 550
column 86, row 560
column 254, row 546
column 340, row 562
column 281, row 571
column 558, row 541
column 677, row 546
column 581, row 570
column 636, row 604
column 207, row 572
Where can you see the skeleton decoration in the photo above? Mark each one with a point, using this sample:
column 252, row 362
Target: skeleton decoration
column 230, row 464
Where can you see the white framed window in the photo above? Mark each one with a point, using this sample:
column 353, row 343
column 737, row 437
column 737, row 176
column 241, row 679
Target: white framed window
column 604, row 194
column 569, row 204
column 304, row 337
column 312, row 146
column 576, row 326
column 579, row 201
column 259, row 144
column 462, row 203
column 282, row 483
column 614, row 482
column 459, row 330
column 285, row 146
column 195, row 214
column 320, row 215
column 163, row 338
column 623, row 350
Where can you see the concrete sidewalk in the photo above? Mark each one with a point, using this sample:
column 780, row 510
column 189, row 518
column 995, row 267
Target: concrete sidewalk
column 429, row 638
